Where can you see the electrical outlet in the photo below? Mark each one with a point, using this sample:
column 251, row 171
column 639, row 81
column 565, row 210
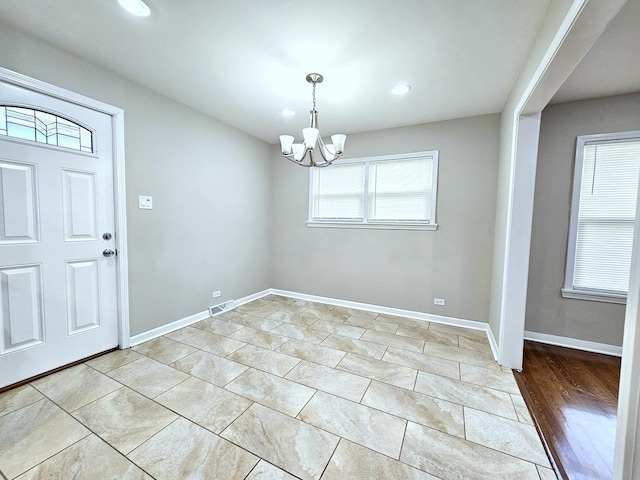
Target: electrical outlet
column 217, row 293
column 438, row 301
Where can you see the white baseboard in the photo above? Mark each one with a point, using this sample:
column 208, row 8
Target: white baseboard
column 252, row 297
column 169, row 327
column 574, row 343
column 427, row 317
column 185, row 322
column 492, row 343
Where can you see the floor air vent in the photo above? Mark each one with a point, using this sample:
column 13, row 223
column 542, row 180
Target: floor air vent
column 222, row 307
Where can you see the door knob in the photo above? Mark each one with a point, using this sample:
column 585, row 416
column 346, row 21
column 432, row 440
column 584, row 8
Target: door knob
column 108, row 252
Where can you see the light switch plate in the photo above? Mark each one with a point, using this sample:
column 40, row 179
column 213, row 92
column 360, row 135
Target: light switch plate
column 145, row 202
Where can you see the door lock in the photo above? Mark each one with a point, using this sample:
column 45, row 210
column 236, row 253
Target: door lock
column 106, row 236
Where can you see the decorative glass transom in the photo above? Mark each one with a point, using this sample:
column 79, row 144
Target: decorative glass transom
column 43, row 127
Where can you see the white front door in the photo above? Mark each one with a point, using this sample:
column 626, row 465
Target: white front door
column 57, row 288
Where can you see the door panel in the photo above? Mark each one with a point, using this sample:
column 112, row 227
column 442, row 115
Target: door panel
column 79, row 205
column 83, row 295
column 19, row 218
column 21, row 306
column 58, row 291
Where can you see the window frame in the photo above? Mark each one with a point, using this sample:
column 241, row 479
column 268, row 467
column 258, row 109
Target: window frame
column 381, row 225
column 54, row 146
column 568, row 290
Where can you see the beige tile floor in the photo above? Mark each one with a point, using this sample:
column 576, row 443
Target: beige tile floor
column 278, row 389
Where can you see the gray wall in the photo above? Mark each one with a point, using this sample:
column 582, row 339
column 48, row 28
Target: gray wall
column 210, row 186
column 399, row 268
column 547, row 311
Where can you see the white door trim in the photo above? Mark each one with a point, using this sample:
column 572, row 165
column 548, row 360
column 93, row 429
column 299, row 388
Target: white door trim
column 626, row 463
column 516, row 270
column 117, row 121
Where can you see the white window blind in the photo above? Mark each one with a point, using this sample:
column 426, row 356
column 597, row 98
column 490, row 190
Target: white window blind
column 400, row 190
column 338, row 192
column 394, row 190
column 602, row 231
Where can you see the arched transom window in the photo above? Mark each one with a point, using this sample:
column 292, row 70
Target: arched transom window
column 43, row 127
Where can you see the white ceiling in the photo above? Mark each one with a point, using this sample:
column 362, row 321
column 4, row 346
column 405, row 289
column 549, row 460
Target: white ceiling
column 242, row 61
column 612, row 66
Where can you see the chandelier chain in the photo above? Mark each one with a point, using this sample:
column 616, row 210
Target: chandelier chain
column 314, row 95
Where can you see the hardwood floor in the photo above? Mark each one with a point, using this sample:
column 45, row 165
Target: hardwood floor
column 573, row 398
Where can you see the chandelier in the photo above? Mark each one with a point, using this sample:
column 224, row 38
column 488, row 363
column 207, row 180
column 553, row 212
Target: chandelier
column 306, row 153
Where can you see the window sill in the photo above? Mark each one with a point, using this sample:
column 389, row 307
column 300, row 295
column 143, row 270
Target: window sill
column 594, row 296
column 375, row 226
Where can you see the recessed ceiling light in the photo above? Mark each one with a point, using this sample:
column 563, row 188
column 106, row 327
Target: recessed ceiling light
column 287, row 112
column 135, row 7
column 401, row 89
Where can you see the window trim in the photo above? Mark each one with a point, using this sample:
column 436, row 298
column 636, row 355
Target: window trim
column 364, row 223
column 568, row 290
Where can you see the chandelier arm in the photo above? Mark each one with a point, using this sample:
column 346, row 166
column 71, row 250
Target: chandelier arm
column 291, row 156
column 324, row 149
column 315, row 165
column 298, row 162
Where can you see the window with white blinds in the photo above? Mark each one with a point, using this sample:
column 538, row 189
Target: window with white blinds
column 603, row 214
column 338, row 192
column 395, row 191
